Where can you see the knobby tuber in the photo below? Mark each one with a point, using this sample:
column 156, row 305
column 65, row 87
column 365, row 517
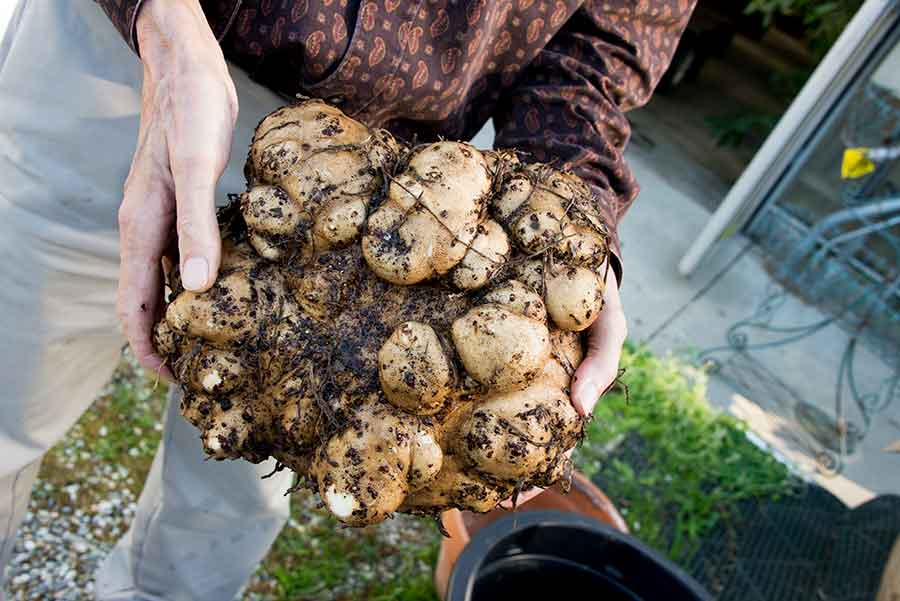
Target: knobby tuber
column 396, row 325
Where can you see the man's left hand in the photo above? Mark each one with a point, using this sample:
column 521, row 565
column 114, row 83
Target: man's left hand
column 605, row 338
column 600, row 366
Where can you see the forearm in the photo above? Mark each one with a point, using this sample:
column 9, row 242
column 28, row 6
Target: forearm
column 176, row 41
column 166, row 29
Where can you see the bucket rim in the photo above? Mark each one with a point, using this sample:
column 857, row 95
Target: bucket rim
column 473, row 556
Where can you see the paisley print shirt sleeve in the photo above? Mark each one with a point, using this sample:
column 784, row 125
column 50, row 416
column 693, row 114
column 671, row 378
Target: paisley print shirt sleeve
column 569, row 104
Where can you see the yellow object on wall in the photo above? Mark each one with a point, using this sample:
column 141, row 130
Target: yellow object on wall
column 856, row 163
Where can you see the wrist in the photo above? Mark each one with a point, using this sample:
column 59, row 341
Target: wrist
column 174, row 33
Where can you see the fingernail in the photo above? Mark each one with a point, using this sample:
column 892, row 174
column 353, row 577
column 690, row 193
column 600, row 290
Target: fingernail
column 589, row 395
column 195, row 273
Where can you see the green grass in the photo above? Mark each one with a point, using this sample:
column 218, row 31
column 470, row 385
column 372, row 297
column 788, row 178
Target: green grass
column 315, row 558
column 695, row 465
column 109, row 449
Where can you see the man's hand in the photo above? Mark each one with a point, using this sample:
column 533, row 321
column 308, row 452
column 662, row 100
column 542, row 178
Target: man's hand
column 600, row 366
column 188, row 111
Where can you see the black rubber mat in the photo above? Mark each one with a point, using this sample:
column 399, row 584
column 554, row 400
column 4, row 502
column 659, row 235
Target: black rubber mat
column 806, row 546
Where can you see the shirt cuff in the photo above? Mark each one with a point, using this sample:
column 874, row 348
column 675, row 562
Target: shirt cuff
column 219, row 13
column 615, row 258
column 606, row 202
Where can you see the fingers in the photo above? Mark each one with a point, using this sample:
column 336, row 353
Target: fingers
column 144, row 221
column 596, row 373
column 183, row 147
column 199, row 245
column 195, row 172
column 529, row 494
column 199, row 141
column 524, row 497
column 600, row 366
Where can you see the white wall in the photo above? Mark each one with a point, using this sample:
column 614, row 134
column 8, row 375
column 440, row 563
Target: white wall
column 888, row 74
column 6, row 9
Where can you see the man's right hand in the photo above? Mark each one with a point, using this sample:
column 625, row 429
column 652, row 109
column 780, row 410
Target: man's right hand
column 188, row 110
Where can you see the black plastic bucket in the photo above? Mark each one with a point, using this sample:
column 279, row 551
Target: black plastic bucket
column 546, row 554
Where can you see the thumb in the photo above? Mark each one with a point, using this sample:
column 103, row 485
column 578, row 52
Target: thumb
column 199, row 244
column 598, row 370
column 589, row 382
column 600, row 366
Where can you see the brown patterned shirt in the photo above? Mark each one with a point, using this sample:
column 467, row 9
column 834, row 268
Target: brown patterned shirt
column 556, row 76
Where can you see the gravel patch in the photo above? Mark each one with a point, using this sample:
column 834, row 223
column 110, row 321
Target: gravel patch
column 59, row 547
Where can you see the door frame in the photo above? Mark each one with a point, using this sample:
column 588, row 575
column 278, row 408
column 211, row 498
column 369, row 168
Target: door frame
column 869, row 36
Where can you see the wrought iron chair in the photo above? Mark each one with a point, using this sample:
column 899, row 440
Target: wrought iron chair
column 847, row 263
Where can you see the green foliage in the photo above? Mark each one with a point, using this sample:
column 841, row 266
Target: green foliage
column 786, row 85
column 672, row 465
column 315, row 558
column 736, row 128
column 824, row 21
column 120, row 430
column 733, row 129
column 127, row 424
